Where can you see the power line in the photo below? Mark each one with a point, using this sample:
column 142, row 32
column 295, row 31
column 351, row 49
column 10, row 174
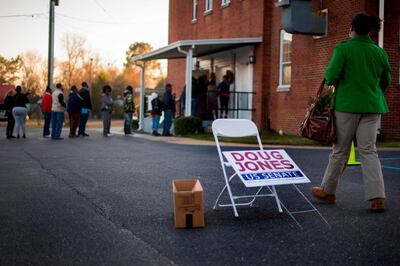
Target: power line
column 69, row 27
column 104, row 10
column 106, row 22
column 24, row 15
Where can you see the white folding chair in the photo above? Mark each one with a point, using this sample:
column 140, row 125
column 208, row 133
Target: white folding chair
column 237, row 128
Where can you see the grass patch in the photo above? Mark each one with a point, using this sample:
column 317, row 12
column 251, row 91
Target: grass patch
column 276, row 139
column 266, row 138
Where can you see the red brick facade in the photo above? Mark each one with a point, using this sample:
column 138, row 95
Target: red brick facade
column 260, row 18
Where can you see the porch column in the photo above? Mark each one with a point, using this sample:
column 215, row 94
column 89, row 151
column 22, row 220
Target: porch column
column 141, row 97
column 188, row 80
column 380, row 42
column 381, row 16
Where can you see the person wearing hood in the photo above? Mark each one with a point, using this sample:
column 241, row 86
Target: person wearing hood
column 129, row 107
column 86, row 107
column 74, row 110
column 157, row 106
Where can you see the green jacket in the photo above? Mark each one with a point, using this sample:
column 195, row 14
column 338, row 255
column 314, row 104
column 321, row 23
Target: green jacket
column 129, row 105
column 360, row 71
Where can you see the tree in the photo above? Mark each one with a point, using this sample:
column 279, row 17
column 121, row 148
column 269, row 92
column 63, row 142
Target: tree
column 9, row 69
column 101, row 79
column 153, row 72
column 75, row 51
column 33, row 72
column 136, row 48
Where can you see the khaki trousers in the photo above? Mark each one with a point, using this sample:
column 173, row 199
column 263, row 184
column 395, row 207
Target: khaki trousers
column 364, row 127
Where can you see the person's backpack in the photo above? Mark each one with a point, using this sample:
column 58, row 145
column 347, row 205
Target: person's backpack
column 157, row 105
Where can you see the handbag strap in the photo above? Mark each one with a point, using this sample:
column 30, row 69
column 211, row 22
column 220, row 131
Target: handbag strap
column 321, row 88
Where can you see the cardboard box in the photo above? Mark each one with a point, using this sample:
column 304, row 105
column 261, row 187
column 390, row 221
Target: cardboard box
column 188, row 203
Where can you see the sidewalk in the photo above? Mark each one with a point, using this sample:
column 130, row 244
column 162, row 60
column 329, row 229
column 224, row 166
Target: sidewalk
column 189, row 141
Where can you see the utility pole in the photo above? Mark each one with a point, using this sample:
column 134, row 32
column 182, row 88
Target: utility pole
column 50, row 66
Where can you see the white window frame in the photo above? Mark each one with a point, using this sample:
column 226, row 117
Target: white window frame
column 194, row 11
column 225, row 3
column 208, row 6
column 283, row 87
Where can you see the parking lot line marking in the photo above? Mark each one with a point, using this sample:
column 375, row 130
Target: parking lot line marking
column 391, row 167
column 390, row 159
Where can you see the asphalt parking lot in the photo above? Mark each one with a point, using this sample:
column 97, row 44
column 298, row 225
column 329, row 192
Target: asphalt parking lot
column 108, row 201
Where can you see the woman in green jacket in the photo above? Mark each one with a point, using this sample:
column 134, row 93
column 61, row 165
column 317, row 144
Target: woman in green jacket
column 360, row 71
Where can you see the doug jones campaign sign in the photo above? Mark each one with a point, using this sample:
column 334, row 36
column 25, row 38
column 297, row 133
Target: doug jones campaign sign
column 265, row 167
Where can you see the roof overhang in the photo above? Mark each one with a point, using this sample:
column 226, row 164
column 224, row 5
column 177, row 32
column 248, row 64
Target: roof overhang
column 200, row 48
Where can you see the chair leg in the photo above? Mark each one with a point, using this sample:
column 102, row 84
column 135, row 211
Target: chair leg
column 278, row 202
column 219, row 196
column 232, row 200
column 222, row 191
column 312, row 205
column 254, row 199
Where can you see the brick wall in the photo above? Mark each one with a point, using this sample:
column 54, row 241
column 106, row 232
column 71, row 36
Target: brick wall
column 253, row 18
column 243, row 18
column 391, row 121
column 309, row 59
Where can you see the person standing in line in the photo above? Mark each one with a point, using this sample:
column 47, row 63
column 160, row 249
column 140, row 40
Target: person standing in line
column 129, row 107
column 157, row 107
column 106, row 110
column 46, row 110
column 74, row 110
column 57, row 112
column 9, row 105
column 169, row 109
column 360, row 71
column 212, row 98
column 223, row 93
column 85, row 110
column 20, row 111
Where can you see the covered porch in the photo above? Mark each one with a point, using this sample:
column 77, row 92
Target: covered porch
column 204, row 57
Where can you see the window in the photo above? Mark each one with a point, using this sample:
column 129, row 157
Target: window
column 285, row 63
column 225, row 2
column 209, row 4
column 194, row 17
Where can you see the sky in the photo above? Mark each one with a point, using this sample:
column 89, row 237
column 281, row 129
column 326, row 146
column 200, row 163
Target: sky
column 109, row 26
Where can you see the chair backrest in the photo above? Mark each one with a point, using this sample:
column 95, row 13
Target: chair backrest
column 234, row 128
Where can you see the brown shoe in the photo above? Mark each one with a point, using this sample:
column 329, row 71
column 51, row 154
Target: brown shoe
column 318, row 193
column 377, row 205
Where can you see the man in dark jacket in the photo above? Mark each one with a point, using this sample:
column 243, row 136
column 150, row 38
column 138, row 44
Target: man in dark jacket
column 169, row 109
column 86, row 105
column 74, row 110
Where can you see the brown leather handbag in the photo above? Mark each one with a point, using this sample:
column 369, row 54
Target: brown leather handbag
column 319, row 123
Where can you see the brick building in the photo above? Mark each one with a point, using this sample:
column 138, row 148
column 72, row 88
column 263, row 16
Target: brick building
column 288, row 68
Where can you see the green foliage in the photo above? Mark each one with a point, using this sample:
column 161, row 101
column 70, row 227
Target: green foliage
column 135, row 124
column 188, row 125
column 96, row 91
column 323, row 101
column 9, row 69
column 153, row 71
column 118, row 112
column 136, row 48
